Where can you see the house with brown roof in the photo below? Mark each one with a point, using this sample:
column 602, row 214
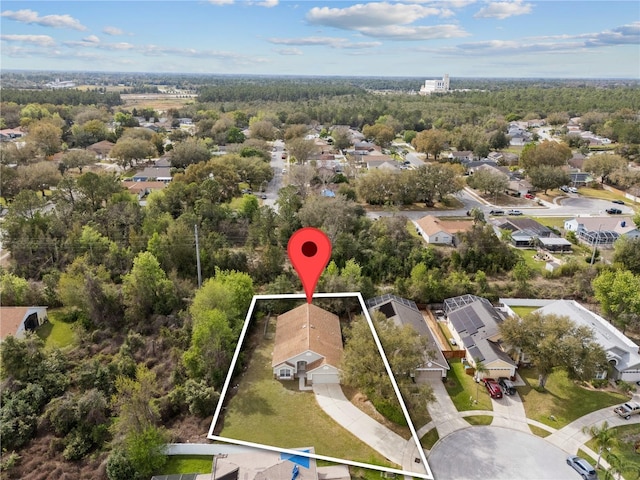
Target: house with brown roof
column 17, row 321
column 101, row 149
column 441, row 232
column 308, row 344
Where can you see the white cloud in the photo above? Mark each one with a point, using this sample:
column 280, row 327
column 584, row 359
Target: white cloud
column 112, row 31
column 56, row 21
column 40, row 40
column 377, row 14
column 221, row 2
column 290, row 51
column 502, row 10
column 399, row 32
column 266, row 3
column 324, row 41
column 91, row 39
column 628, row 34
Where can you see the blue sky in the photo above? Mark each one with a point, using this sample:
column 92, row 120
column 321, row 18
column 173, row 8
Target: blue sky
column 421, row 38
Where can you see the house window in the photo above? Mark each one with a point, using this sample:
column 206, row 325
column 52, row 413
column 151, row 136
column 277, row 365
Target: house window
column 601, row 375
column 285, row 373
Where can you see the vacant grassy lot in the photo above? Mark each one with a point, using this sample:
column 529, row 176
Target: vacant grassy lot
column 463, row 390
column 555, row 222
column 563, row 399
column 270, row 412
column 627, row 436
column 56, row 333
column 187, row 464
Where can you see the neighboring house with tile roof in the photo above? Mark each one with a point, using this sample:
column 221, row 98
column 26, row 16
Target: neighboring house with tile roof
column 16, row 321
column 621, row 352
column 441, row 232
column 474, row 323
column 101, row 149
column 405, row 312
column 308, row 343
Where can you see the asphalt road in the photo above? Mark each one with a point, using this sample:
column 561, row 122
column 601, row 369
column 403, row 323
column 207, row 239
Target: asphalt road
column 499, row 454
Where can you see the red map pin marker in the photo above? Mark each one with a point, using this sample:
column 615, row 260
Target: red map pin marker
column 309, row 250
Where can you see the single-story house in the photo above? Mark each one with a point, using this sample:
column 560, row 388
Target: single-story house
column 160, row 174
column 264, row 464
column 365, row 146
column 101, row 149
column 405, row 312
column 495, row 169
column 473, row 322
column 142, row 189
column 441, row 232
column 602, row 231
column 580, row 179
column 622, row 353
column 518, row 186
column 463, row 156
column 473, row 165
column 308, row 344
column 495, row 156
column 8, row 134
column 523, row 224
column 16, row 321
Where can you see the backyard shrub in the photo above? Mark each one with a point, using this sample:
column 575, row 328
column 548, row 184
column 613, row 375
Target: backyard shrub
column 390, row 411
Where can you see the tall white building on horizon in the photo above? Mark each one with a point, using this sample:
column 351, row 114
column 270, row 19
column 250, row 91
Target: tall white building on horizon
column 435, row 86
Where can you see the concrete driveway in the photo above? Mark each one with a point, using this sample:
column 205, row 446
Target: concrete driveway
column 498, row 453
column 377, row 436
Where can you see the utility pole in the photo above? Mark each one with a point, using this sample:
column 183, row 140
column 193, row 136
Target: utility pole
column 198, row 257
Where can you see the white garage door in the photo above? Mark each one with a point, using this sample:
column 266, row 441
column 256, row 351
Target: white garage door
column 318, row 378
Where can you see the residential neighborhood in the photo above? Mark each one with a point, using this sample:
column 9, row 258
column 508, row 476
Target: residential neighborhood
column 484, row 265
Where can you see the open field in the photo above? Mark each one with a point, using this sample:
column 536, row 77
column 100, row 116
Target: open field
column 157, row 101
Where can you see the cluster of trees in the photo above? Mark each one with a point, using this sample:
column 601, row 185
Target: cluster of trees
column 429, row 183
column 67, row 96
column 363, row 368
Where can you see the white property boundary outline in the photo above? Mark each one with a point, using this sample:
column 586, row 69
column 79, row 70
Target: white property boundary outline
column 301, row 296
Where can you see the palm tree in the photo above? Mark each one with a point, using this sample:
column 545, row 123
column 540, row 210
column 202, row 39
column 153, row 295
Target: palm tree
column 604, row 436
column 616, row 467
column 480, row 369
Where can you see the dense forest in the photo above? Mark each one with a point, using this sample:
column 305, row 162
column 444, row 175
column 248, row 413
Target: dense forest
column 152, row 348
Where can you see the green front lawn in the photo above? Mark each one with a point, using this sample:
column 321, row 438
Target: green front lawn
column 187, row 464
column 56, row 333
column 463, row 390
column 270, row 412
column 563, row 399
column 627, row 435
